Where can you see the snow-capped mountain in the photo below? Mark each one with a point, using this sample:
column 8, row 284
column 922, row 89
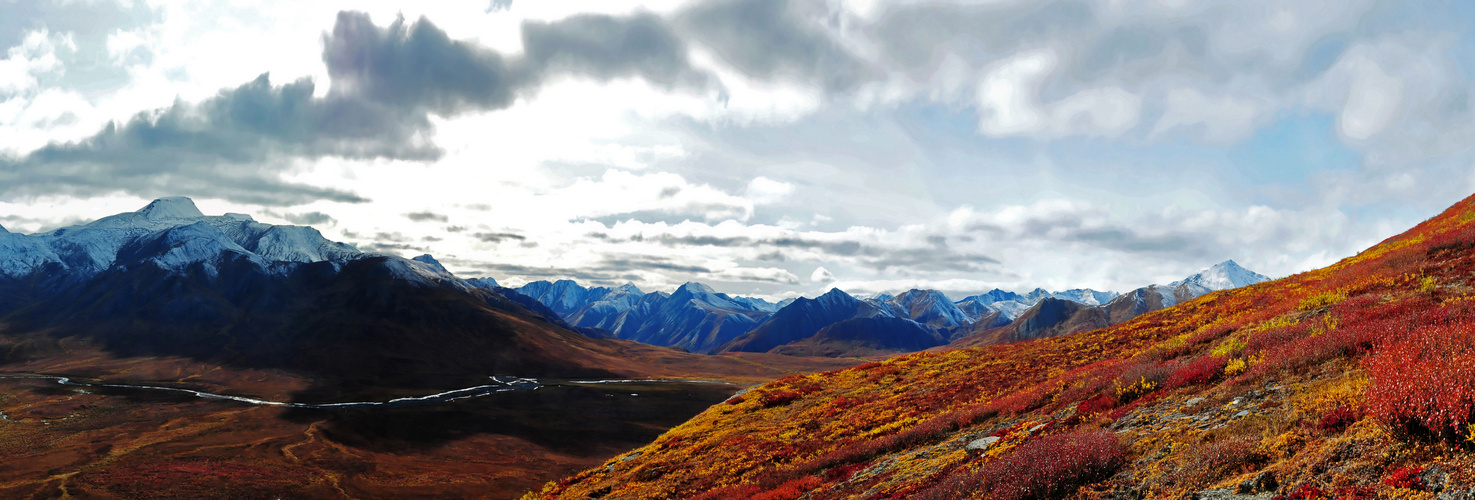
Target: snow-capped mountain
column 168, row 280
column 927, row 307
column 1085, row 309
column 693, row 317
column 1223, row 276
column 172, row 234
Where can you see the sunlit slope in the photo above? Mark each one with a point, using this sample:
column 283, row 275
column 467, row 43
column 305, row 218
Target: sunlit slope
column 1347, row 381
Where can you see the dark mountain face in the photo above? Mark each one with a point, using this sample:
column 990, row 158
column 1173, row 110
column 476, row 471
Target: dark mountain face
column 801, row 320
column 865, row 336
column 358, row 325
column 169, row 281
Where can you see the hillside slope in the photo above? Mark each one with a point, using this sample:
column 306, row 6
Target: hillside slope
column 1352, row 381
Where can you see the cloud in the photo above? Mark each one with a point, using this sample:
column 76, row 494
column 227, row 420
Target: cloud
column 387, row 84
column 35, row 56
column 426, row 216
column 821, row 276
column 499, row 6
column 763, row 190
column 309, row 218
column 498, row 237
column 777, row 40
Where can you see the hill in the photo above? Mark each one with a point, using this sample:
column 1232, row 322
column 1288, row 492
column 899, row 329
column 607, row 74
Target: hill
column 1352, row 381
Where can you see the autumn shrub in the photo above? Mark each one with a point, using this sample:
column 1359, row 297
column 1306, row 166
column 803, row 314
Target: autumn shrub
column 790, row 490
column 1097, row 404
column 1050, row 467
column 1354, row 493
column 1425, row 378
column 778, row 397
column 1199, row 371
column 1347, row 341
column 1338, row 419
column 1019, row 402
column 1405, row 477
column 1304, row 492
column 730, row 492
column 1053, row 466
column 1208, row 463
column 1275, row 337
column 1140, row 378
column 930, row 430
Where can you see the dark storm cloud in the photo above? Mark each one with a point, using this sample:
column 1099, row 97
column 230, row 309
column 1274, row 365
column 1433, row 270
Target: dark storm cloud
column 609, row 47
column 310, row 218
column 648, row 262
column 931, row 260
column 387, row 82
column 777, row 39
column 426, row 216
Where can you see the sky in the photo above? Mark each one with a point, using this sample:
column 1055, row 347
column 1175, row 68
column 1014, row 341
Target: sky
column 772, row 148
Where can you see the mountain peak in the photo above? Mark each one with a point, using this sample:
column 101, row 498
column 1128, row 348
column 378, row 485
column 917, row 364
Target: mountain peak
column 430, row 261
column 630, row 288
column 695, row 288
column 1223, row 276
column 835, row 292
column 173, row 207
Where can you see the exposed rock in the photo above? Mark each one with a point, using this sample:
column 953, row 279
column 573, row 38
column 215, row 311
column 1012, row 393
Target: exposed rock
column 1228, row 494
column 981, row 445
column 1434, row 479
column 1265, row 482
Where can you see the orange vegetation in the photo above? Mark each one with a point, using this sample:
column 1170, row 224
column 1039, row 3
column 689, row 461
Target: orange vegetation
column 1352, row 381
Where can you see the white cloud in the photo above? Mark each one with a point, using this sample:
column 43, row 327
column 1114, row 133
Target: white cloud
column 1224, row 119
column 763, row 190
column 35, row 56
column 821, row 276
column 1008, row 97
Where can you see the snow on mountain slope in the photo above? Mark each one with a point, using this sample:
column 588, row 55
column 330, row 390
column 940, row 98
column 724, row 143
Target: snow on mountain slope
column 1085, row 296
column 180, row 247
column 90, row 248
column 1223, row 276
column 563, row 296
column 928, row 307
column 483, row 283
column 21, row 255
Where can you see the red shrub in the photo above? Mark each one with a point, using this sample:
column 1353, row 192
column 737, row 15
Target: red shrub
column 1050, row 467
column 1019, row 402
column 1097, row 404
column 1425, row 378
column 773, row 398
column 1199, row 371
column 1355, row 493
column 739, row 491
column 1338, row 419
column 1275, row 337
column 1405, row 477
column 790, row 490
column 1055, row 465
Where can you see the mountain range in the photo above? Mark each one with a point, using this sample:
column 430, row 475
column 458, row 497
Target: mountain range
column 698, row 319
column 168, row 280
